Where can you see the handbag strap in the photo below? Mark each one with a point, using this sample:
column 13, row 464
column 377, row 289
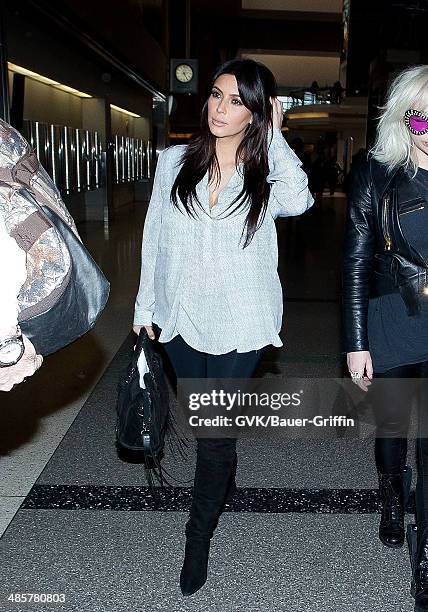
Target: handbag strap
column 29, row 231
column 22, row 173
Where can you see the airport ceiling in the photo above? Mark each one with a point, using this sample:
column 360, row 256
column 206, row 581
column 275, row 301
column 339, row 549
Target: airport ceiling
column 316, row 6
column 287, row 35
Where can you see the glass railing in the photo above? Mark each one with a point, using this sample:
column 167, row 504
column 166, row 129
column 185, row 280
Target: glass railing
column 75, row 158
column 132, row 159
column 302, row 97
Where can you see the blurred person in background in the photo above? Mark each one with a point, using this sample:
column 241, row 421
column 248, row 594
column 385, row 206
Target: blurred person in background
column 318, row 176
column 332, row 172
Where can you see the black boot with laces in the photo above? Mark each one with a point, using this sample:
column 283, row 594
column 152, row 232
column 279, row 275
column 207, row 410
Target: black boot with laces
column 393, row 499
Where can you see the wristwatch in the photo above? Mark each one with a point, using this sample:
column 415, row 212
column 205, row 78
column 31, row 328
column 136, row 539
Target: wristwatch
column 11, row 349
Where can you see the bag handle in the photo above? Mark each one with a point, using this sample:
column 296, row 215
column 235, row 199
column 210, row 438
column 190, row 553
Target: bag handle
column 29, row 231
column 22, row 173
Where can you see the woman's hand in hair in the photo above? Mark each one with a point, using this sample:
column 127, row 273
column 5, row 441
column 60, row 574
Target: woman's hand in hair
column 361, row 362
column 148, row 328
column 277, row 114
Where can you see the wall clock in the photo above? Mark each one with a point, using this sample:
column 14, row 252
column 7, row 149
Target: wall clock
column 183, row 76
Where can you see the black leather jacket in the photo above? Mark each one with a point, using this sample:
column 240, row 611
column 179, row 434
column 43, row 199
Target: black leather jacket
column 377, row 259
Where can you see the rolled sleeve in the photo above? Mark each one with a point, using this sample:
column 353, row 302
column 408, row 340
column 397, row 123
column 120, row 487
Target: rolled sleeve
column 289, row 193
column 145, row 301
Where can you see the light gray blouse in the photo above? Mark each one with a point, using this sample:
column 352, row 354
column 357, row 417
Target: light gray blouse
column 196, row 279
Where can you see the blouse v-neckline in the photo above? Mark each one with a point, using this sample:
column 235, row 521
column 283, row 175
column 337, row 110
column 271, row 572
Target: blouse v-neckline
column 228, row 185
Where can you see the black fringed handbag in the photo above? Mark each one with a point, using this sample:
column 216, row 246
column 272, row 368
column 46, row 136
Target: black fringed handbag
column 144, row 417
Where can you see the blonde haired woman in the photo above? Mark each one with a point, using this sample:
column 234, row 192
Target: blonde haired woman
column 385, row 298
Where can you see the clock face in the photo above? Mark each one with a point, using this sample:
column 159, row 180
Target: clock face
column 184, row 73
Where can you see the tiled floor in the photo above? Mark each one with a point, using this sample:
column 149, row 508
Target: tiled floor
column 106, row 561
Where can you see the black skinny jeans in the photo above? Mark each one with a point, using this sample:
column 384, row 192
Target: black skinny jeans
column 392, row 414
column 190, row 363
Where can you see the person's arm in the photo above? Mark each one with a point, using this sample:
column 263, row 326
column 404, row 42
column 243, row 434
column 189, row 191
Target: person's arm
column 13, row 273
column 357, row 265
column 145, row 301
column 289, row 194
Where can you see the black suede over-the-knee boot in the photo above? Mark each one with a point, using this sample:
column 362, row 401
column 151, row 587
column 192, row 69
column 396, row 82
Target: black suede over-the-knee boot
column 214, row 466
column 232, row 488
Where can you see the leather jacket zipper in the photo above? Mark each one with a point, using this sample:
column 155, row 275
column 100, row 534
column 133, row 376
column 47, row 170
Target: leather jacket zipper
column 405, row 212
column 386, row 234
column 425, row 262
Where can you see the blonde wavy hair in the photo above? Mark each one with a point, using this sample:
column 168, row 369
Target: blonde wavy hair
column 393, row 145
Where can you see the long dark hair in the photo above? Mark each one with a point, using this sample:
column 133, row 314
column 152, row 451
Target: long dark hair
column 256, row 84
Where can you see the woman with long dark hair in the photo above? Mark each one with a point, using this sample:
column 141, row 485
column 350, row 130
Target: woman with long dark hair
column 385, row 287
column 209, row 288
